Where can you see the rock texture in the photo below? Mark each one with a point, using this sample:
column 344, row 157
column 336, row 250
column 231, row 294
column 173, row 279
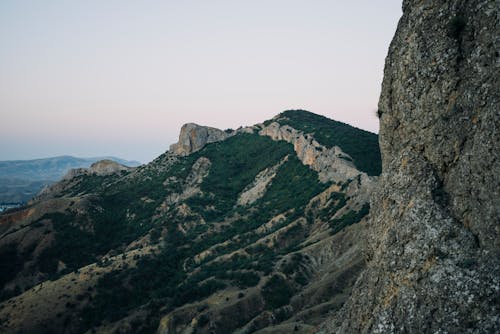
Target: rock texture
column 331, row 163
column 258, row 188
column 433, row 248
column 193, row 137
column 191, row 185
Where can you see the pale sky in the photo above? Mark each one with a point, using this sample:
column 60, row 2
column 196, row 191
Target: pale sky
column 116, row 77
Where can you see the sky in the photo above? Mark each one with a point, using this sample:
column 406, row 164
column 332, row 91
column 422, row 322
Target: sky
column 117, row 77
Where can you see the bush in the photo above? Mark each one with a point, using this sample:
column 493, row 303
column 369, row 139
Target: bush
column 349, row 218
column 203, row 320
column 277, row 292
column 246, row 279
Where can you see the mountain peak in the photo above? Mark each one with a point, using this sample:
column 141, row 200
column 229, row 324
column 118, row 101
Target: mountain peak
column 362, row 146
column 193, row 137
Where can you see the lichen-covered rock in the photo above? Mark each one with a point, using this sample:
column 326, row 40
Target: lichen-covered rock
column 193, row 137
column 433, row 250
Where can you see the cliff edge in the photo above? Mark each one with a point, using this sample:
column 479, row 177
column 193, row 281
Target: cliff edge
column 193, row 137
column 433, row 249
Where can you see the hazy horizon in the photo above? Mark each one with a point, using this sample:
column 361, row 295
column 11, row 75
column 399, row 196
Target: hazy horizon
column 119, row 78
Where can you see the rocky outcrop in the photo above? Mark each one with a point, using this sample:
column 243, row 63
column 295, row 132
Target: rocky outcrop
column 332, row 164
column 194, row 137
column 100, row 168
column 72, row 177
column 433, row 245
column 258, row 188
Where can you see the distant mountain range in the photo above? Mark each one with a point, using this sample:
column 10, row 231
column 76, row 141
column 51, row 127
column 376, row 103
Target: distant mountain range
column 20, row 180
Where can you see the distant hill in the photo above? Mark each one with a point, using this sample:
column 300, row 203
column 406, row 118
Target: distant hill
column 20, row 180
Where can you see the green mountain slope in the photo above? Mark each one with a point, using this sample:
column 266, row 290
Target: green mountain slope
column 239, row 235
column 361, row 145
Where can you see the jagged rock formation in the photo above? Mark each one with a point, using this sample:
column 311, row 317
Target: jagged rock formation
column 433, row 247
column 193, row 137
column 330, row 163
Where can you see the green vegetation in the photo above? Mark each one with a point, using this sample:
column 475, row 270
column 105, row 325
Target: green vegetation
column 235, row 163
column 294, row 269
column 349, row 218
column 92, row 183
column 277, row 292
column 338, row 200
column 121, row 210
column 361, row 145
column 127, row 207
column 290, row 191
column 10, row 263
column 292, row 188
column 154, row 278
column 69, row 236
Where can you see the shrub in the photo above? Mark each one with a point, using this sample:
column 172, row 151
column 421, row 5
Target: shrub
column 203, row 320
column 349, row 218
column 277, row 292
column 246, row 279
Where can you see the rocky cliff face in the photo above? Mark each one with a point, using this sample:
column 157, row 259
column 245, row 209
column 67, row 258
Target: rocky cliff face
column 434, row 239
column 193, row 137
column 332, row 164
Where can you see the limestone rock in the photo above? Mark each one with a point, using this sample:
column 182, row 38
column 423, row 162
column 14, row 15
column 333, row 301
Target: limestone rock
column 191, row 185
column 433, row 239
column 331, row 163
column 258, row 188
column 101, row 168
column 194, row 137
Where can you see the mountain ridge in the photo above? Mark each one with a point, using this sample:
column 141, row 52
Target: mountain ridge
column 181, row 221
